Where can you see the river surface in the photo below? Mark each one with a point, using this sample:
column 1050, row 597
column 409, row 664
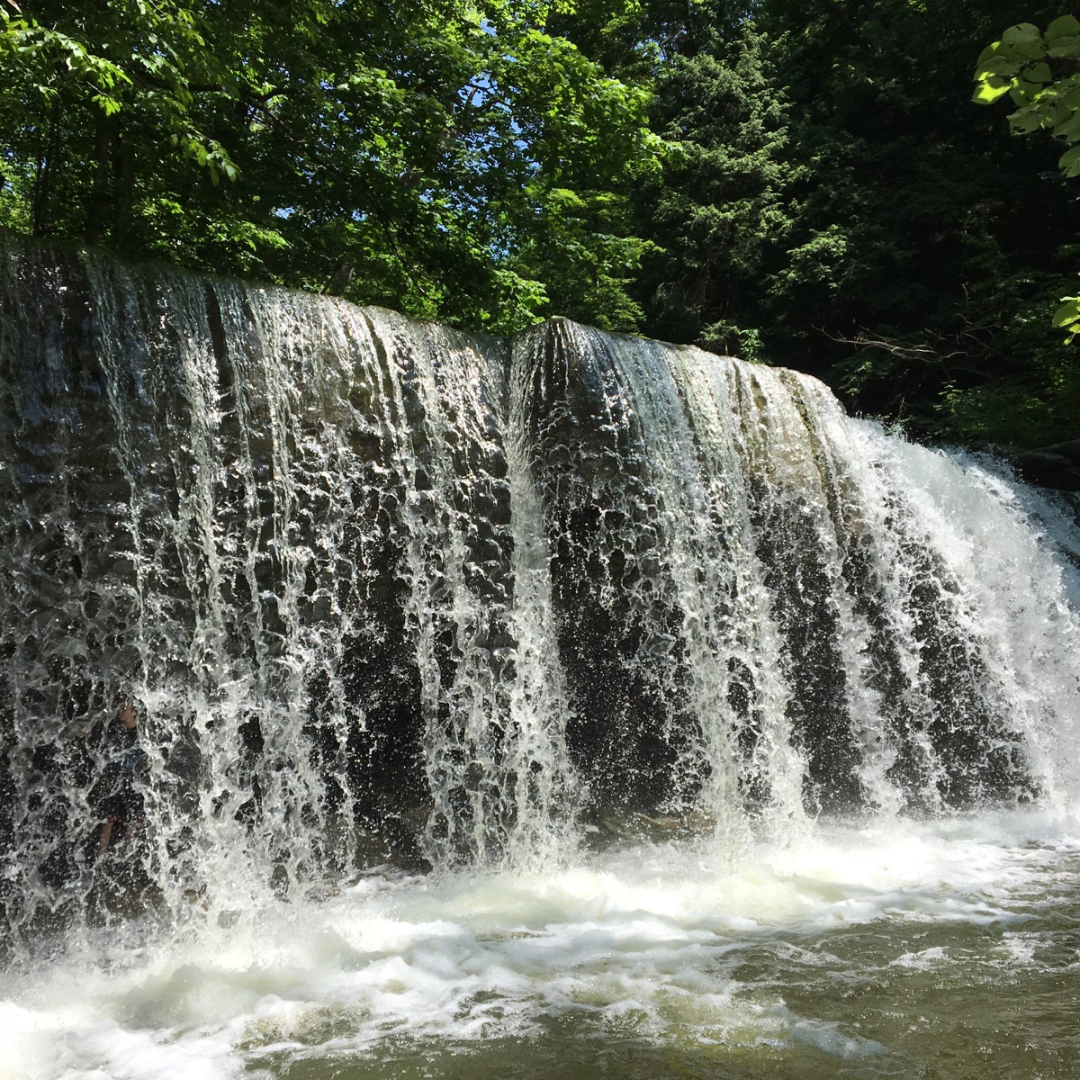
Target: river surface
column 945, row 949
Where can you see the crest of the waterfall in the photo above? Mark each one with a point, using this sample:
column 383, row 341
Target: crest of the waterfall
column 384, row 593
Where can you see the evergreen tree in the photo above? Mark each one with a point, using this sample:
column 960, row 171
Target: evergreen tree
column 721, row 212
column 928, row 247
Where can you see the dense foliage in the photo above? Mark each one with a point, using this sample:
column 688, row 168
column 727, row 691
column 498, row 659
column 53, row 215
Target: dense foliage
column 808, row 184
column 402, row 153
column 1019, row 65
column 846, row 210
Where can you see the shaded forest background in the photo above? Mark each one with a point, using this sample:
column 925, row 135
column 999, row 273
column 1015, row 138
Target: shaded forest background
column 806, row 184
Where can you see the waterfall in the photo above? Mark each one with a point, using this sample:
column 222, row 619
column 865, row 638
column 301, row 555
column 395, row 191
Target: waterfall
column 384, row 594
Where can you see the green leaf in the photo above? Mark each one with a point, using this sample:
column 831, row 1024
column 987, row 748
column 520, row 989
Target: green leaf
column 998, row 65
column 1069, row 162
column 1065, row 47
column 1025, row 121
column 1020, row 32
column 1024, row 40
column 1067, row 317
column 1066, row 26
column 1069, row 129
column 110, row 105
column 1068, row 312
column 989, row 90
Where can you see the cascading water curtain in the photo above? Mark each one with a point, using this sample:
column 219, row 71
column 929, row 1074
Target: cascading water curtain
column 767, row 608
column 382, row 593
column 295, row 535
column 183, row 527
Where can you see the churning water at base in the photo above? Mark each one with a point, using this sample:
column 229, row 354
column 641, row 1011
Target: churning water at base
column 555, row 707
column 946, row 949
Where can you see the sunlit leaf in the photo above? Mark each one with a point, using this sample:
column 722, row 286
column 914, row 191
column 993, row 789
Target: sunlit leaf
column 988, row 91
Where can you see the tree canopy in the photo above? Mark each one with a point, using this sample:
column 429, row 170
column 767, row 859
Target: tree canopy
column 806, row 184
column 1019, row 65
column 403, row 153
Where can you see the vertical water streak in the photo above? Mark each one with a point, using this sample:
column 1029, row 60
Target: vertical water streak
column 646, row 470
column 456, row 516
column 959, row 606
column 546, row 791
column 727, row 630
column 744, row 652
column 219, row 483
column 494, row 719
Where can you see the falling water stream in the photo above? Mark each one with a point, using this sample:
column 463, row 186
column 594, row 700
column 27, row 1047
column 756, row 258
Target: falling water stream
column 569, row 706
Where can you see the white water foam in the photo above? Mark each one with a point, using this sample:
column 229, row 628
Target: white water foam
column 646, row 940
